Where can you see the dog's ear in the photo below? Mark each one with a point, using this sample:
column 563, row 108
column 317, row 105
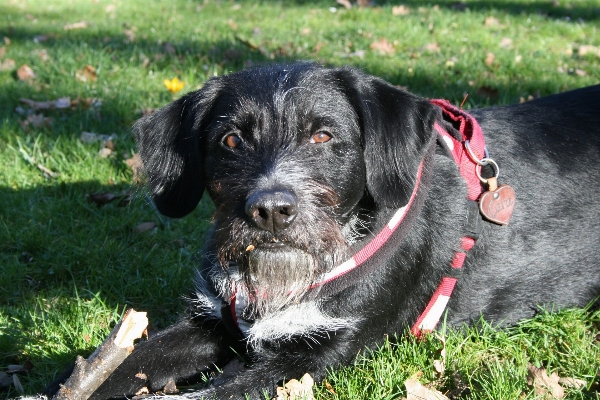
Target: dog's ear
column 168, row 142
column 397, row 127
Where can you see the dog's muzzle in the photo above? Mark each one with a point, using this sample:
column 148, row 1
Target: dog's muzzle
column 272, row 210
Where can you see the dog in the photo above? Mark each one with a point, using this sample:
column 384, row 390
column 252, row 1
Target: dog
column 348, row 209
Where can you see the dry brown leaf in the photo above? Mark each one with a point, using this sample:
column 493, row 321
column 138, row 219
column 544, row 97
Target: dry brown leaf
column 6, row 40
column 7, row 64
column 25, row 73
column 35, row 121
column 328, row 386
column 344, row 3
column 2, row 51
column 432, row 47
column 144, row 227
column 506, row 43
column 400, row 10
column 105, row 152
column 297, row 390
column 86, row 74
column 170, row 388
column 135, row 163
column 489, row 59
column 543, row 384
column 232, row 24
column 416, row 391
column 491, row 22
column 572, row 383
column 383, row 46
column 580, row 72
column 588, row 49
column 75, row 25
column 63, row 102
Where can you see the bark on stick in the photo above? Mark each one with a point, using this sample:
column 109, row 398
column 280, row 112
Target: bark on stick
column 89, row 374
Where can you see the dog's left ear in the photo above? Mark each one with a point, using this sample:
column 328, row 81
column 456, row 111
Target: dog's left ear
column 396, row 126
column 169, row 145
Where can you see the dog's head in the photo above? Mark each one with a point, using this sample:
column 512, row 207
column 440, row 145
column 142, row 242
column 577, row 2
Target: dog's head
column 290, row 155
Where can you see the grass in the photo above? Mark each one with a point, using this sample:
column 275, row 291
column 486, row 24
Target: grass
column 68, row 268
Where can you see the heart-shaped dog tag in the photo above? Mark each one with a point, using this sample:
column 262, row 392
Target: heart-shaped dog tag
column 497, row 205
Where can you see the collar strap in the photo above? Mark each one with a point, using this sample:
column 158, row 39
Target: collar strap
column 470, row 130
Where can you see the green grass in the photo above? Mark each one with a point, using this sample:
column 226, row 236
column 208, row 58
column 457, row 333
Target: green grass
column 68, row 268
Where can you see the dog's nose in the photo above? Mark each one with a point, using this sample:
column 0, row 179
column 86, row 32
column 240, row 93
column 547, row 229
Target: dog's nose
column 272, row 210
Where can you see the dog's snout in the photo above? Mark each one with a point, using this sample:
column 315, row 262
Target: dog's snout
column 272, row 210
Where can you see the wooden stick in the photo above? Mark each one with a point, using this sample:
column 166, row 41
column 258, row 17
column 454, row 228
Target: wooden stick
column 89, row 374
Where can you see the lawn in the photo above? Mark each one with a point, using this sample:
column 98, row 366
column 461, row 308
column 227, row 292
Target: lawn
column 80, row 242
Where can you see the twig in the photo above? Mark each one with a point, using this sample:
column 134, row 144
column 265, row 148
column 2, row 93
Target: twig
column 89, row 374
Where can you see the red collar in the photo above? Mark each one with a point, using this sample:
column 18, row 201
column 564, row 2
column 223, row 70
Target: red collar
column 470, row 131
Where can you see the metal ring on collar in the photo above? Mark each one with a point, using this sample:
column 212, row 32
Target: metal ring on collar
column 487, row 161
column 481, row 162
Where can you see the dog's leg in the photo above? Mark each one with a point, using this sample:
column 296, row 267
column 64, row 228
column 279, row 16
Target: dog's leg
column 180, row 353
column 282, row 362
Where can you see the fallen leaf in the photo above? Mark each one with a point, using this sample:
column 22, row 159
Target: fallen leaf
column 17, row 384
column 169, row 49
column 297, row 390
column 6, row 40
column 588, row 49
column 2, row 51
column 400, row 10
column 305, row 31
column 491, row 22
column 43, row 55
column 329, row 387
column 488, row 91
column 35, row 121
column 344, row 3
column 135, row 163
column 110, row 8
column 572, row 383
column 144, row 390
column 440, row 365
column 489, row 59
column 86, row 74
column 129, row 34
column 90, row 137
column 7, row 64
column 432, row 47
column 416, row 391
column 170, row 388
column 40, row 38
column 543, row 384
column 101, row 199
column 25, row 73
column 76, row 25
column 580, row 72
column 383, row 46
column 105, row 152
column 63, row 102
column 518, row 59
column 506, row 43
column 143, row 227
column 232, row 24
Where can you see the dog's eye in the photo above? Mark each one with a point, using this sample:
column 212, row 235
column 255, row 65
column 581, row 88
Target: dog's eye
column 320, row 137
column 232, row 141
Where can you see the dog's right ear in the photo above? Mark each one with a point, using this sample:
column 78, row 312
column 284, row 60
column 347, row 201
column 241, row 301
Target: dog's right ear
column 168, row 142
column 397, row 128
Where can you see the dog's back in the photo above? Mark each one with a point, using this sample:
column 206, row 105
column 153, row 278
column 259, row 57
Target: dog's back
column 548, row 150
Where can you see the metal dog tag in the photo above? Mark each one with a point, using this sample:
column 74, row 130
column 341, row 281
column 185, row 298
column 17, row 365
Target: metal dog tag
column 497, row 204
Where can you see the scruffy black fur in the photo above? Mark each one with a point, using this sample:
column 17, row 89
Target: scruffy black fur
column 305, row 164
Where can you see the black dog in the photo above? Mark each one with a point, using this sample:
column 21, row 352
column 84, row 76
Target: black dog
column 344, row 211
